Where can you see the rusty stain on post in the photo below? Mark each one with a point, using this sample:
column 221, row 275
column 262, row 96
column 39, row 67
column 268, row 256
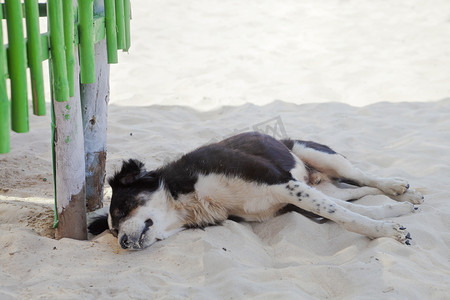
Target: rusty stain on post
column 77, row 216
column 95, row 180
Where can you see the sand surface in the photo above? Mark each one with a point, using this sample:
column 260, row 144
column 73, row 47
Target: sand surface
column 368, row 78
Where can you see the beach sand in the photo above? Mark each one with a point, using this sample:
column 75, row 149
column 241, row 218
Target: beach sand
column 370, row 79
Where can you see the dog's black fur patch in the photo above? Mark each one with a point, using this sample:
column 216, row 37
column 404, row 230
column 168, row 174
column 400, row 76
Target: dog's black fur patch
column 99, row 225
column 293, row 208
column 309, row 144
column 236, row 219
column 251, row 156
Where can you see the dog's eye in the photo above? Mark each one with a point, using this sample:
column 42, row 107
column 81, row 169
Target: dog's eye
column 114, row 232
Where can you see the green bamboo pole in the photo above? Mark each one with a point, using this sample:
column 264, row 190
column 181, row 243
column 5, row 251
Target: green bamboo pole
column 17, row 67
column 4, row 61
column 57, row 52
column 120, row 22
column 111, row 33
column 99, row 31
column 69, row 44
column 35, row 56
column 4, row 103
column 127, row 16
column 45, row 47
column 86, row 35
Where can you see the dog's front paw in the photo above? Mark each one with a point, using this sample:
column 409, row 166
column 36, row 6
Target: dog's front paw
column 393, row 186
column 393, row 230
column 411, row 196
column 401, row 234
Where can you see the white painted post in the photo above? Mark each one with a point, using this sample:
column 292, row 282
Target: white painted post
column 94, row 101
column 69, row 165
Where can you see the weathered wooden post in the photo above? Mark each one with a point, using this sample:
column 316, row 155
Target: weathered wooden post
column 68, row 139
column 70, row 190
column 94, row 103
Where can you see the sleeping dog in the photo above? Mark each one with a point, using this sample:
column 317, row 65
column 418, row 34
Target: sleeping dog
column 249, row 177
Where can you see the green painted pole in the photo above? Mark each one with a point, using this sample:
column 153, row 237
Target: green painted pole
column 57, row 52
column 4, row 61
column 86, row 35
column 111, row 32
column 34, row 56
column 69, row 44
column 45, row 47
column 99, row 28
column 127, row 16
column 17, row 66
column 120, row 22
column 4, row 103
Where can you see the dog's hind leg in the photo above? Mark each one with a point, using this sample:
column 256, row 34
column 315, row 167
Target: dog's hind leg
column 348, row 192
column 310, row 199
column 344, row 194
column 336, row 166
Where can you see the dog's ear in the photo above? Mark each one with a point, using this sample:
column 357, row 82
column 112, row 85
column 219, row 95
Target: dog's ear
column 148, row 181
column 133, row 173
column 98, row 225
column 132, row 170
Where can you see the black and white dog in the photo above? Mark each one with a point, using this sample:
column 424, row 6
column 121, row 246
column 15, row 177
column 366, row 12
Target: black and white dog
column 249, row 177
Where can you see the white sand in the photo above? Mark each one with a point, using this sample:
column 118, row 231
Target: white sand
column 198, row 56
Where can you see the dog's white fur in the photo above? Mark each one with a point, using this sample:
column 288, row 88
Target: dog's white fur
column 217, row 196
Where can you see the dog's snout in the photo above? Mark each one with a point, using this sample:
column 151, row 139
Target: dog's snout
column 135, row 240
column 124, row 242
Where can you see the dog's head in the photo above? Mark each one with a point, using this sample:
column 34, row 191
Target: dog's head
column 140, row 213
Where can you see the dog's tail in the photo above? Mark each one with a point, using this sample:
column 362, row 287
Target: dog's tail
column 98, row 224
